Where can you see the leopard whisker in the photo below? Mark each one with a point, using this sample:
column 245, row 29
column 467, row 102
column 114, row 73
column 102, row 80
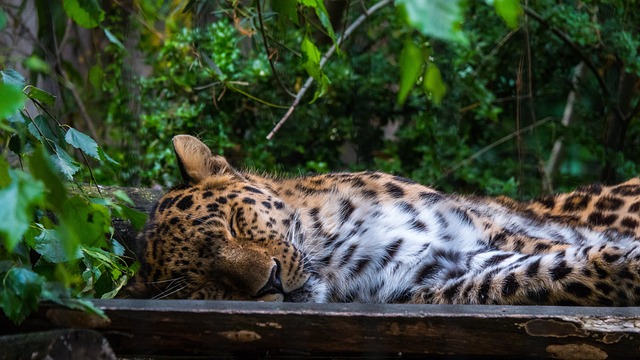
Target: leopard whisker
column 174, row 286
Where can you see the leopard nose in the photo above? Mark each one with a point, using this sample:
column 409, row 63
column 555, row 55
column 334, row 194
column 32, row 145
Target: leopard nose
column 274, row 284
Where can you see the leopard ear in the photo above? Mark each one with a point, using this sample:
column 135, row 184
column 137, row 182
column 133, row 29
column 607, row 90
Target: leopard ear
column 196, row 161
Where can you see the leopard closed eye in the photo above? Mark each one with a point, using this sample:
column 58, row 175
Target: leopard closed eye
column 377, row 238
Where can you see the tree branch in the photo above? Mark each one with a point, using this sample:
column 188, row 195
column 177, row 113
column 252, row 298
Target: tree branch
column 323, row 61
column 266, row 50
column 567, row 118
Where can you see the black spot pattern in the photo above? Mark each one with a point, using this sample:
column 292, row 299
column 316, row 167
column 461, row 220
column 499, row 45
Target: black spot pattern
column 629, row 223
column 593, row 189
column 609, row 203
column 576, row 202
column 600, row 219
column 390, row 251
column 510, row 285
column 533, row 268
column 548, row 202
column 185, row 203
column 394, row 190
column 560, row 271
column 578, row 289
column 252, row 189
column 496, row 259
column 604, row 288
column 626, row 190
column 166, row 203
column 419, row 226
column 404, row 180
column 426, row 272
column 346, row 209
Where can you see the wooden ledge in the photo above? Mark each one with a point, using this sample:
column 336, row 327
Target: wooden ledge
column 187, row 328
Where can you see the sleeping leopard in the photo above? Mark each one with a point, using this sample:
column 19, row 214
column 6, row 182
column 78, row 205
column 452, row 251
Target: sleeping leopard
column 372, row 237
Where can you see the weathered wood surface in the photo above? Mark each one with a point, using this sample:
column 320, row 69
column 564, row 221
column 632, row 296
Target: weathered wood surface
column 187, row 328
column 142, row 198
column 56, row 344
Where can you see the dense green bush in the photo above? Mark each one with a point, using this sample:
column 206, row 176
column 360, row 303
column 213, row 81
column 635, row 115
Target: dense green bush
column 57, row 241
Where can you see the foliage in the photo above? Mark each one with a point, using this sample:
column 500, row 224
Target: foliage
column 468, row 96
column 56, row 244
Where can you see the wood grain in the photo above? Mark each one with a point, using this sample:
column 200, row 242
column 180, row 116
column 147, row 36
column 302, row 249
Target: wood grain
column 186, row 328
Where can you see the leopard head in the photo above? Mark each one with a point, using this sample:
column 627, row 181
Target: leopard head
column 218, row 236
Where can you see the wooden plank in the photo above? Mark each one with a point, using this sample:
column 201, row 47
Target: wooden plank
column 219, row 328
column 56, row 344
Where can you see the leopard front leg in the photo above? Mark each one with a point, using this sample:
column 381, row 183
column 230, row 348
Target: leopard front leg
column 606, row 275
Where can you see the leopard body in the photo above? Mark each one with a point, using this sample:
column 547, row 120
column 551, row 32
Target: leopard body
column 378, row 238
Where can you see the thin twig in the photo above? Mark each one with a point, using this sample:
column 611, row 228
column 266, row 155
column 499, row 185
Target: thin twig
column 324, row 59
column 266, row 50
column 492, row 145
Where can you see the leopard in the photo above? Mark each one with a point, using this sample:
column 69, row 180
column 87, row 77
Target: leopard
column 373, row 237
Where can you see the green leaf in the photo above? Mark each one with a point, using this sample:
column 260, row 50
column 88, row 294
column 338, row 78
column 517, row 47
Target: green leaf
column 22, row 289
column 433, row 83
column 11, row 100
column 323, row 15
column 117, row 248
column 509, row 10
column 50, row 245
column 137, row 218
column 85, row 224
column 411, row 61
column 43, row 170
column 3, row 20
column 64, row 163
column 83, row 142
column 286, row 9
column 438, row 18
column 18, row 200
column 311, row 63
column 53, row 291
column 86, row 13
column 12, row 77
column 323, row 86
column 35, row 63
column 107, row 158
column 4, row 173
column 40, row 95
column 311, row 58
column 96, row 75
column 40, row 127
column 113, row 39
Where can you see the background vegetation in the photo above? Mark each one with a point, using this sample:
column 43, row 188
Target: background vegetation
column 491, row 97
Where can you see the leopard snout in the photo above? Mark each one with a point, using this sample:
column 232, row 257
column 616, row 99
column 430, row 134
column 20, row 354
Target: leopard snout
column 274, row 283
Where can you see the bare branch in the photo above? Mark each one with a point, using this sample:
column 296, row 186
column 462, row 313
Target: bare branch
column 323, row 61
column 567, row 118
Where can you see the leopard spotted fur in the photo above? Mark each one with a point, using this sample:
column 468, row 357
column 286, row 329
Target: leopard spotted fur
column 378, row 238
